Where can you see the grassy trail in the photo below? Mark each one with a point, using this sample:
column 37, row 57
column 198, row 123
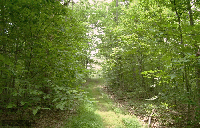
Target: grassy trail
column 102, row 112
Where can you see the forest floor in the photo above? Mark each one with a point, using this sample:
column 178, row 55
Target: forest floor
column 98, row 110
column 102, row 111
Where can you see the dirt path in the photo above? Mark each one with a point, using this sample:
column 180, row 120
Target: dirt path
column 100, row 111
column 112, row 115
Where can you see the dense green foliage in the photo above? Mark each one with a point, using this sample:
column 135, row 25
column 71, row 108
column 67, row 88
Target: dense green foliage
column 151, row 49
column 43, row 55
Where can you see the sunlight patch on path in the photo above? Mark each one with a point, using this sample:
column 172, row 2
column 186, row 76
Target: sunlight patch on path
column 113, row 116
column 113, row 119
column 110, row 119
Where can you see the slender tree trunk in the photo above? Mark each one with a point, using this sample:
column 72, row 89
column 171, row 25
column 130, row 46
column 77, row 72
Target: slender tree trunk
column 179, row 22
column 185, row 75
column 140, row 66
column 190, row 13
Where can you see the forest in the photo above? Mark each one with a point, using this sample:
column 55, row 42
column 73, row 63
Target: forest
column 148, row 52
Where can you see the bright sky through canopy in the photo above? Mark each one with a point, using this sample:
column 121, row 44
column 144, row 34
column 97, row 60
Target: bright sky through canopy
column 92, row 1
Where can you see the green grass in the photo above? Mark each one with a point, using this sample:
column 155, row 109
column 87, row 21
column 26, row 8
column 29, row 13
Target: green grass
column 86, row 118
column 102, row 112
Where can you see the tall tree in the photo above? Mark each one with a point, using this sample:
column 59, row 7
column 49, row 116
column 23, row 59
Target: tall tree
column 42, row 48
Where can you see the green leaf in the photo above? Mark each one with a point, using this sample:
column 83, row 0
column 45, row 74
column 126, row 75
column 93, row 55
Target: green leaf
column 172, row 76
column 46, row 108
column 55, row 99
column 74, row 91
column 61, row 106
column 22, row 102
column 64, row 98
column 144, row 73
column 11, row 105
column 36, row 110
column 150, row 71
